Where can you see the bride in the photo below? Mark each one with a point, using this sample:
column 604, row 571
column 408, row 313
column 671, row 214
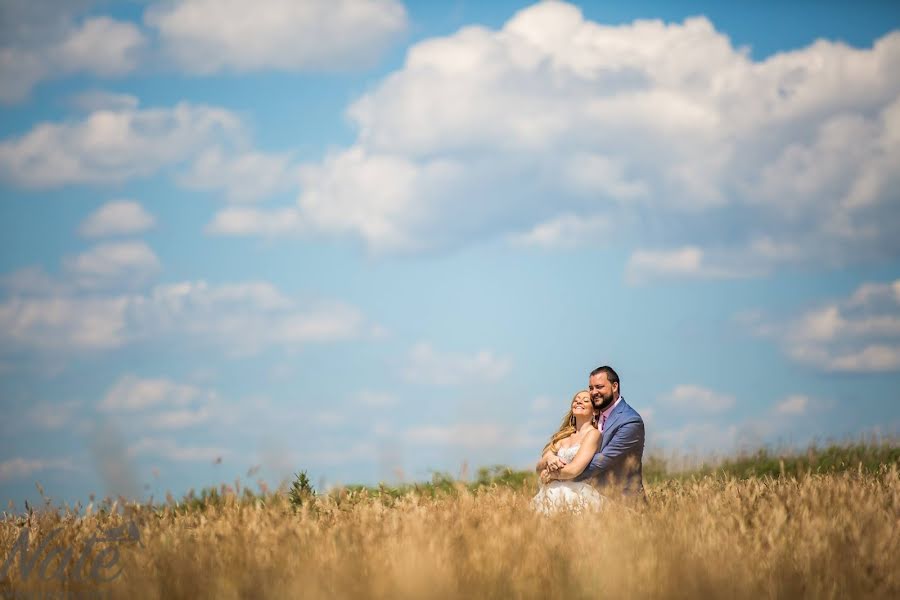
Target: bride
column 570, row 450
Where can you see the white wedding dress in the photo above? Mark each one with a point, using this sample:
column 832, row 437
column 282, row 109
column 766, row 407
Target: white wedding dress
column 566, row 495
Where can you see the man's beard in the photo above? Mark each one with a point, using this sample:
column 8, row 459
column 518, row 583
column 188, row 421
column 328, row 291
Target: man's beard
column 605, row 402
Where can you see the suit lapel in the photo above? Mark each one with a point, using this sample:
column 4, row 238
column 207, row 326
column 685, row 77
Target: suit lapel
column 610, row 422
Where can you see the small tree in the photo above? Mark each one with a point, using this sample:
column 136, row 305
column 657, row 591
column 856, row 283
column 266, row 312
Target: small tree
column 301, row 490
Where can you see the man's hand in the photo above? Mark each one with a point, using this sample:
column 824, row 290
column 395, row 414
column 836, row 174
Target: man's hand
column 546, row 476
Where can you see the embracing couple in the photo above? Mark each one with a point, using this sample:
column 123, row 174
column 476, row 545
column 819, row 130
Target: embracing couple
column 596, row 452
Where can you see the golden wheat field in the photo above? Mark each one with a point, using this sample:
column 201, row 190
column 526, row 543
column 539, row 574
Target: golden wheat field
column 811, row 536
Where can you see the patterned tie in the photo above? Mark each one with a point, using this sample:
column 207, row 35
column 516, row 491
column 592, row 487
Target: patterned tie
column 603, row 422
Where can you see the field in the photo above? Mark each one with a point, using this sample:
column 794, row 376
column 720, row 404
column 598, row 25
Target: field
column 818, row 525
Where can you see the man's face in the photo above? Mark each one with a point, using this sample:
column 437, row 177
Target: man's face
column 602, row 391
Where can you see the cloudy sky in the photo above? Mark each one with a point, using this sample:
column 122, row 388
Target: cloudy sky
column 372, row 239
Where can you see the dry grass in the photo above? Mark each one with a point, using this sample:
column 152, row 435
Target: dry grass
column 815, row 536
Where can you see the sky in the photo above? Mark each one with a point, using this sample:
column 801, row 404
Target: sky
column 374, row 240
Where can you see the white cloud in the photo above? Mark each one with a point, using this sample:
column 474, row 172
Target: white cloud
column 376, row 399
column 170, row 449
column 566, row 231
column 429, row 366
column 689, row 262
column 107, row 265
column 329, row 419
column 245, row 177
column 871, row 359
column 99, row 45
column 795, row 404
column 117, row 141
column 207, row 36
column 707, row 163
column 53, row 416
column 701, row 438
column 113, row 264
column 16, row 468
column 32, row 280
column 177, row 419
column 338, row 454
column 64, row 322
column 88, row 308
column 697, row 398
column 241, row 221
column 871, row 293
column 102, row 46
column 45, row 39
column 118, row 217
column 160, row 403
column 238, row 319
column 545, row 403
column 469, row 436
column 132, row 393
column 94, row 100
column 859, row 334
column 110, row 146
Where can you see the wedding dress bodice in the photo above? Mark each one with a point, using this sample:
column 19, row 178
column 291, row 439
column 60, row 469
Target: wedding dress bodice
column 567, row 494
column 567, row 454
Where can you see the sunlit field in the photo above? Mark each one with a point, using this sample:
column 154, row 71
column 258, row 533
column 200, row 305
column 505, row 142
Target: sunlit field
column 818, row 525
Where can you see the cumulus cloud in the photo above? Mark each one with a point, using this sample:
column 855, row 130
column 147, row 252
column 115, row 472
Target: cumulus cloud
column 132, row 393
column 697, row 398
column 53, row 416
column 775, row 422
column 169, row 449
column 701, row 438
column 708, row 163
column 113, row 264
column 566, row 231
column 469, row 436
column 244, row 177
column 207, row 36
column 242, row 221
column 545, row 403
column 208, row 148
column 859, row 334
column 43, row 39
column 113, row 145
column 795, row 404
column 159, row 403
column 93, row 100
column 240, row 318
column 429, row 366
column 689, row 262
column 15, row 468
column 107, row 265
column 374, row 399
column 118, row 217
column 77, row 313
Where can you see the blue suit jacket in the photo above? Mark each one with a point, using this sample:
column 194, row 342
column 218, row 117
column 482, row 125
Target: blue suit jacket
column 618, row 461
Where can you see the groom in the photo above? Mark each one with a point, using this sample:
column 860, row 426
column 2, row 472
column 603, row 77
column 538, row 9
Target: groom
column 617, row 463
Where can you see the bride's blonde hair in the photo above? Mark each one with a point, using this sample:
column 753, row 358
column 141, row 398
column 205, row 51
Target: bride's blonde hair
column 566, row 428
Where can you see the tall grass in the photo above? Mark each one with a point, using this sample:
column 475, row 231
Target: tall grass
column 808, row 534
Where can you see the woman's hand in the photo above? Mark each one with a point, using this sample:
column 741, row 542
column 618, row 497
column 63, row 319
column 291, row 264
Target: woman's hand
column 555, row 463
column 546, row 477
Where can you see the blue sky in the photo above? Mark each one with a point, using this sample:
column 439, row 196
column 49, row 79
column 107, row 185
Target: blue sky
column 372, row 239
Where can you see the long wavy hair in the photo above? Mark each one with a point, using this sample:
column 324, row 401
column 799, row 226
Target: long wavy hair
column 566, row 428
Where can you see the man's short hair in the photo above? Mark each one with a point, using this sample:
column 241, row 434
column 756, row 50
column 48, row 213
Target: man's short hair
column 611, row 374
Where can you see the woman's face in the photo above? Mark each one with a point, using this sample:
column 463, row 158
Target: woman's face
column 582, row 406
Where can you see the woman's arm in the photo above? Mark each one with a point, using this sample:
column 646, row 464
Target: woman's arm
column 585, row 453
